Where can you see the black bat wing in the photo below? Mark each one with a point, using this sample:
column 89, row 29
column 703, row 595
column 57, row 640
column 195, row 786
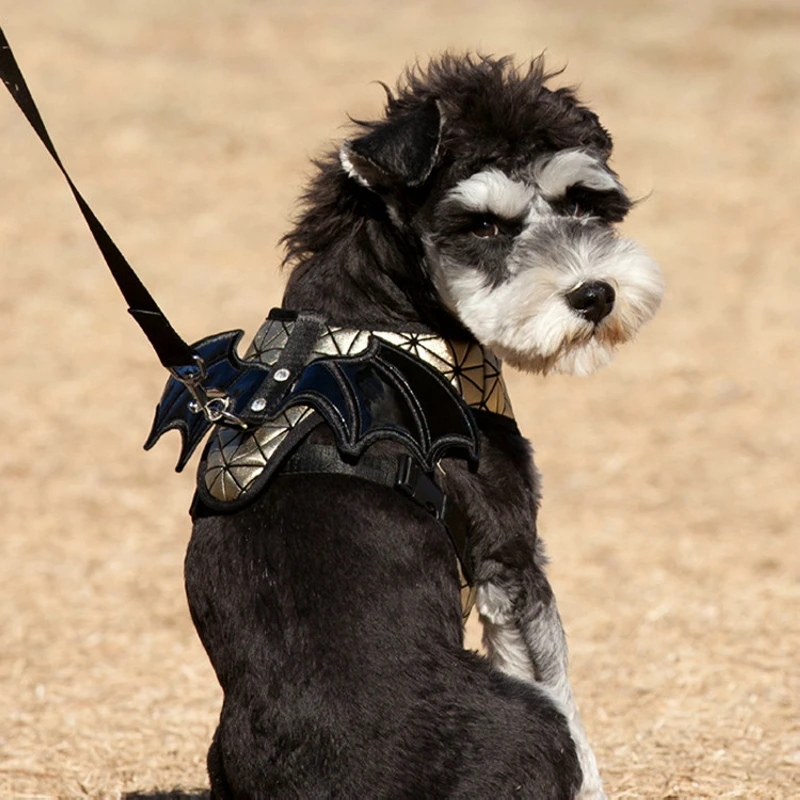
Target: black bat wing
column 225, row 371
column 388, row 394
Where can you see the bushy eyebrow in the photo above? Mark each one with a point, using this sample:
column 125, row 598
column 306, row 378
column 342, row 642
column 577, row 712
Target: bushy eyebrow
column 555, row 174
column 493, row 192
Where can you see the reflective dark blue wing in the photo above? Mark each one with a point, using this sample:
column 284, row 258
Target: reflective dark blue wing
column 387, row 394
column 225, row 372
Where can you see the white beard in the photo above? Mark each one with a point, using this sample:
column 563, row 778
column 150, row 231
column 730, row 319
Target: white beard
column 526, row 319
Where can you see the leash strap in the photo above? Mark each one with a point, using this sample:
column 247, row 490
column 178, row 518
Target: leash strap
column 171, row 350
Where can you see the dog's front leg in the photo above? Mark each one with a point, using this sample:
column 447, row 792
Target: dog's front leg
column 524, row 637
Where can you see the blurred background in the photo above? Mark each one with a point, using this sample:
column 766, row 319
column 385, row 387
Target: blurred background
column 671, row 501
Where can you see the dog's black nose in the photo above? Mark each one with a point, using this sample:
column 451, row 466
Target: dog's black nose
column 592, row 300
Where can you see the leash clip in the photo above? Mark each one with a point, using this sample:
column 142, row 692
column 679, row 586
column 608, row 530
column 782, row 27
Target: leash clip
column 212, row 403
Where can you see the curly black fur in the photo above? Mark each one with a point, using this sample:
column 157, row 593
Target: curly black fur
column 350, row 262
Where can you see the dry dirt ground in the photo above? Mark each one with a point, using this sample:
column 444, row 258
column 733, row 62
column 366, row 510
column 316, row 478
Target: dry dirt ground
column 671, row 478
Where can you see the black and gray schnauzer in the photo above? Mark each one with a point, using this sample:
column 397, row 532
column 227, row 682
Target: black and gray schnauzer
column 478, row 213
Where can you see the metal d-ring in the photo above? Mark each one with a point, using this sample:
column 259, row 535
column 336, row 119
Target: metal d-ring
column 213, row 404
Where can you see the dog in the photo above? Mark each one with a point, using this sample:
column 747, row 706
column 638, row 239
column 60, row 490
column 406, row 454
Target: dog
column 475, row 222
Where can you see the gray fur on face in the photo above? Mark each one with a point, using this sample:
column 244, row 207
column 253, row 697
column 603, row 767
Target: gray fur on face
column 551, row 235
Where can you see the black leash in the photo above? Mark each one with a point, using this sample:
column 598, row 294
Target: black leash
column 172, row 351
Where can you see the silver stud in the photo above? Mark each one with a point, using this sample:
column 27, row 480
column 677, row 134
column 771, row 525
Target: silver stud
column 259, row 404
column 282, row 375
column 194, row 406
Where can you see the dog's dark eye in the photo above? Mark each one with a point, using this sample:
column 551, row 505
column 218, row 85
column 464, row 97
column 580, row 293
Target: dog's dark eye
column 485, row 227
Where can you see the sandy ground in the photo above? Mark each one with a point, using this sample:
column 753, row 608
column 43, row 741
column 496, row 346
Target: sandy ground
column 671, row 478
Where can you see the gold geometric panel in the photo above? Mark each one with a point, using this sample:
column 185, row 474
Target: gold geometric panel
column 340, row 342
column 236, row 458
column 433, row 350
column 269, row 341
column 473, row 370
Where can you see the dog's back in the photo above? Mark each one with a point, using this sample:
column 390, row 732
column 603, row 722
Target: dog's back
column 330, row 610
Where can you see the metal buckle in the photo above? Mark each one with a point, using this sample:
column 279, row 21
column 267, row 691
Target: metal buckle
column 212, row 403
column 419, row 486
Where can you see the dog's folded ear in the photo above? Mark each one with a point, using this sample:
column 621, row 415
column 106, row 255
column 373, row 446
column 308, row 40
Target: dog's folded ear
column 398, row 152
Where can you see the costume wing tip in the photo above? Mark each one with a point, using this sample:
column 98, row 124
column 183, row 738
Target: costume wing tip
column 173, row 412
column 192, row 432
column 187, row 446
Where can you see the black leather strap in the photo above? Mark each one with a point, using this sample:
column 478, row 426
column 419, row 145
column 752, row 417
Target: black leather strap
column 306, row 331
column 170, row 348
column 319, row 459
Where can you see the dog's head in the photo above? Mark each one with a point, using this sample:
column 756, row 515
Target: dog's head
column 506, row 186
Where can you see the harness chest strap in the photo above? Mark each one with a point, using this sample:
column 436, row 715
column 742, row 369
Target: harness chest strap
column 402, row 473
